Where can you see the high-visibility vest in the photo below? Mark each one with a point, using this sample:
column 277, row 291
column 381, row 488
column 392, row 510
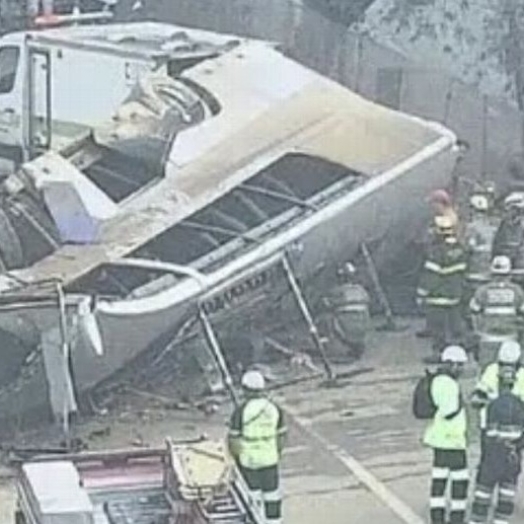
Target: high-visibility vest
column 259, row 434
column 489, row 384
column 447, row 433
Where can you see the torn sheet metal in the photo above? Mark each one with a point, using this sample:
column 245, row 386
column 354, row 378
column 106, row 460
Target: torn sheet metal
column 78, row 207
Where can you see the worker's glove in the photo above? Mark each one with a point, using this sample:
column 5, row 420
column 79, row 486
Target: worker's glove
column 480, row 399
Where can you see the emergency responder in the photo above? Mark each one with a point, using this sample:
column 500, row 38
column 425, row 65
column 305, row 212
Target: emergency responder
column 487, row 388
column 446, row 435
column 509, row 238
column 442, row 206
column 256, row 439
column 441, row 287
column 500, row 463
column 478, row 239
column 497, row 309
column 348, row 309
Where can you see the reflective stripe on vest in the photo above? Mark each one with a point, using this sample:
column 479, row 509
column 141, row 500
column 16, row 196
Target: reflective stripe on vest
column 442, row 301
column 259, row 447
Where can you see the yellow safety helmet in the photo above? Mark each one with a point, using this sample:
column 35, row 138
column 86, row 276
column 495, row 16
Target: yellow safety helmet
column 444, row 224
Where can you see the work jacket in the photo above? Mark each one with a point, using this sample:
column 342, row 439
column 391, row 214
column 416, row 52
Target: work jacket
column 448, row 428
column 497, row 307
column 350, row 304
column 509, row 240
column 504, row 436
column 488, row 385
column 442, row 279
column 258, row 424
column 478, row 239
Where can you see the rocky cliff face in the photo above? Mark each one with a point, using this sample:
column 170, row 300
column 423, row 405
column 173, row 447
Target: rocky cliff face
column 474, row 40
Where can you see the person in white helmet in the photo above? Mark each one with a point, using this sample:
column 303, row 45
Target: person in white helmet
column 497, row 310
column 509, row 238
column 347, row 308
column 478, row 239
column 446, row 436
column 256, row 439
column 487, row 388
column 503, row 440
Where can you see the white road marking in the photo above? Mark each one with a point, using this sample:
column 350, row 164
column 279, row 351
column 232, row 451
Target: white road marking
column 296, row 472
column 378, row 488
column 295, row 449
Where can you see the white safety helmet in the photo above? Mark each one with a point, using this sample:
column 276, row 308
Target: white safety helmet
column 509, row 352
column 514, row 200
column 501, row 265
column 479, row 202
column 349, row 268
column 455, row 354
column 253, row 381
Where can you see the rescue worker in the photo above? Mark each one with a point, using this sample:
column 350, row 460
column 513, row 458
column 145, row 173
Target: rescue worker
column 478, row 239
column 497, row 309
column 441, row 287
column 348, row 309
column 442, row 206
column 500, row 463
column 487, row 388
column 509, row 238
column 256, row 438
column 446, row 436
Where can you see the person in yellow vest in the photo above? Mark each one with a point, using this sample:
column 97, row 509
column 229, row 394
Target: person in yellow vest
column 256, row 438
column 446, row 436
column 487, row 388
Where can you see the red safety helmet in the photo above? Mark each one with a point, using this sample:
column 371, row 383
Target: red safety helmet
column 440, row 196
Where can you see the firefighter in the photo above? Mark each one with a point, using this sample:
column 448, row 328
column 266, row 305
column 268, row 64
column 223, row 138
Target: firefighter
column 478, row 239
column 348, row 308
column 441, row 206
column 446, row 436
column 487, row 388
column 509, row 238
column 441, row 287
column 500, row 463
column 256, row 438
column 497, row 309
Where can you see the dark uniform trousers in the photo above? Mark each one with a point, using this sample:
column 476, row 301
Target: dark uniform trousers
column 449, row 466
column 497, row 476
column 444, row 325
column 266, row 480
column 500, row 462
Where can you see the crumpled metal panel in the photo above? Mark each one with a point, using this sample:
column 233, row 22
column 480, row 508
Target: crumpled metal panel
column 77, row 206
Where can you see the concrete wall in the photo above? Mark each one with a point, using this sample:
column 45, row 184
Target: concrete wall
column 492, row 128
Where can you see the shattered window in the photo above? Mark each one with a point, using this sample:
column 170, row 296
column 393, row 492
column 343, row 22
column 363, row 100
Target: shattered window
column 8, row 65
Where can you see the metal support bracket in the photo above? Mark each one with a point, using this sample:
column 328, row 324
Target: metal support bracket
column 216, row 351
column 64, row 335
column 390, row 324
column 306, row 313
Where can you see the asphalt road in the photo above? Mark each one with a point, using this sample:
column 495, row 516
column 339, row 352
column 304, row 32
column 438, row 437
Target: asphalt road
column 354, row 452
